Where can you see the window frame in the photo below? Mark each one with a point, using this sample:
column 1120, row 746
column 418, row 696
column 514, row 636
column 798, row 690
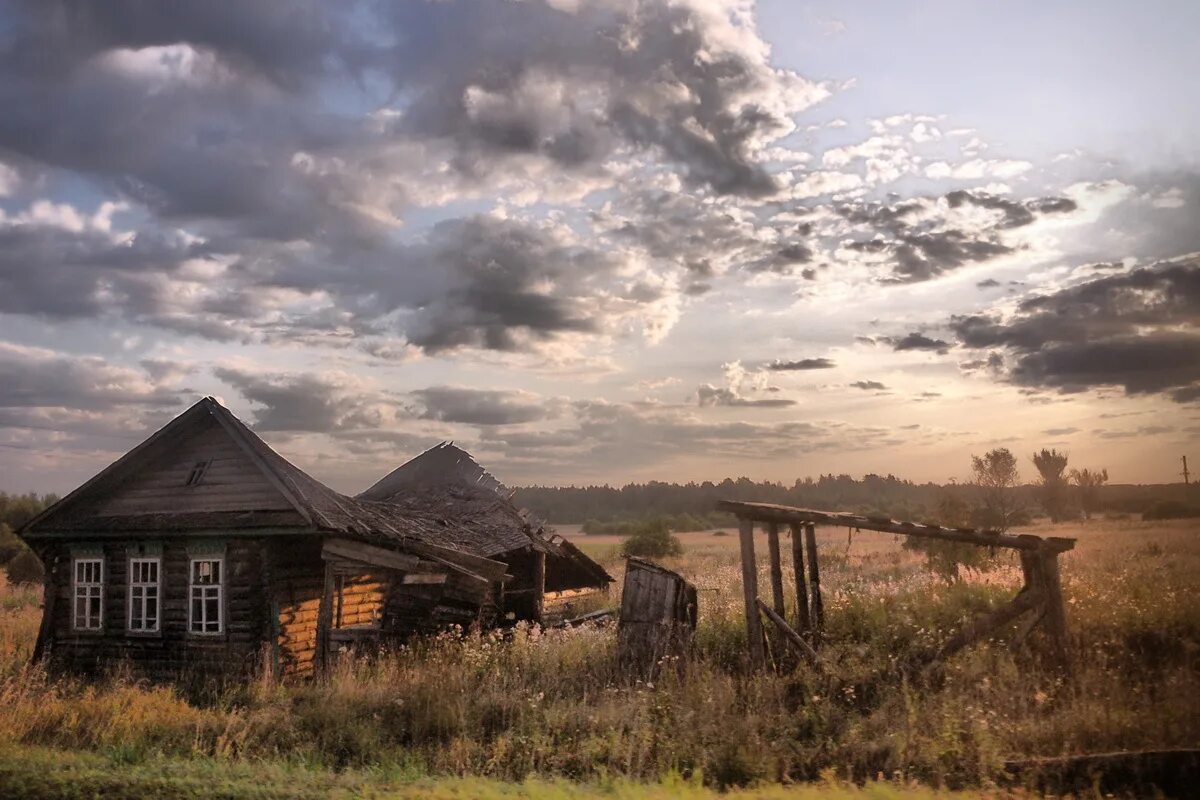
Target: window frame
column 219, row 586
column 157, row 584
column 76, row 585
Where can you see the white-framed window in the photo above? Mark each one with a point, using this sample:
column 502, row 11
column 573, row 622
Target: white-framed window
column 205, row 587
column 145, row 575
column 88, row 579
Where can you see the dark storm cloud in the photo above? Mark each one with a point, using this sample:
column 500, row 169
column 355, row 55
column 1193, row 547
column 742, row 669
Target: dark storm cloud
column 800, row 365
column 480, row 407
column 987, row 283
column 304, row 402
column 1137, row 330
column 917, row 341
column 922, row 243
column 871, row 386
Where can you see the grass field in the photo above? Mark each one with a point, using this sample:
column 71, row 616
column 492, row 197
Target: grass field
column 517, row 716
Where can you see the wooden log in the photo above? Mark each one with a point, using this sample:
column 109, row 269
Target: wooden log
column 49, row 595
column 802, row 619
column 1056, row 610
column 754, row 635
column 814, row 579
column 423, row 578
column 367, row 554
column 776, row 567
column 797, row 642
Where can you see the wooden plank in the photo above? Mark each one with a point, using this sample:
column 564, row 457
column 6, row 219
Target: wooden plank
column 423, row 578
column 368, row 554
column 776, row 567
column 791, row 637
column 982, row 626
column 802, row 619
column 539, row 582
column 814, row 577
column 754, row 638
column 487, row 568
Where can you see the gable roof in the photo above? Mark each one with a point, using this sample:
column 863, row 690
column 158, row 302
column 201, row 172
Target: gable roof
column 441, row 465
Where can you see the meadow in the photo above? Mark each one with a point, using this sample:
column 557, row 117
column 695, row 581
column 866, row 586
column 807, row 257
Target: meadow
column 547, row 713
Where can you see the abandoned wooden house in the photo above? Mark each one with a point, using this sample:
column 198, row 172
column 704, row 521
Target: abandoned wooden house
column 204, row 551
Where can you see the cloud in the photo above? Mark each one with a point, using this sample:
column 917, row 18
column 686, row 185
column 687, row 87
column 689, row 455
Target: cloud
column 305, row 402
column 1137, row 330
column 32, row 377
column 872, row 386
column 917, row 341
column 800, row 365
column 709, row 395
column 481, row 407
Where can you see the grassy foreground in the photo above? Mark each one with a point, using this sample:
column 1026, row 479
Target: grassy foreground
column 33, row 774
column 488, row 714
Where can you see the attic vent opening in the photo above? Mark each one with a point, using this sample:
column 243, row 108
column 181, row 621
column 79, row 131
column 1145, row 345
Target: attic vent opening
column 197, row 473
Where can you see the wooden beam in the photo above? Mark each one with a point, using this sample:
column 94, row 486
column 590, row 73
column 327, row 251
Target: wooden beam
column 802, row 619
column 324, row 660
column 754, row 636
column 776, row 567
column 487, row 568
column 539, row 582
column 368, row 554
column 814, row 578
column 975, row 629
column 771, row 512
column 49, row 594
column 797, row 642
column 423, row 578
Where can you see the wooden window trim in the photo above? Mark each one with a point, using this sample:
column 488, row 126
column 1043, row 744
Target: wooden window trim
column 76, row 584
column 158, row 588
column 220, row 586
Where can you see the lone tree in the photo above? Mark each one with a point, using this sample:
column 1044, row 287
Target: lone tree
column 996, row 475
column 1089, row 483
column 1052, row 466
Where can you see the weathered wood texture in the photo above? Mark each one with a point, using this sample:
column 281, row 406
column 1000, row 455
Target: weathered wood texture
column 173, row 651
column 754, row 635
column 793, row 639
column 658, row 618
column 803, row 622
column 231, row 481
column 776, row 567
column 814, row 580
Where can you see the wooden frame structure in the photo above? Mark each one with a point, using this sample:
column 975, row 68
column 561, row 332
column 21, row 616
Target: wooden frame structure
column 1041, row 592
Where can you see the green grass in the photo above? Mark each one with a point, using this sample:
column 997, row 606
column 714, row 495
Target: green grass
column 36, row 773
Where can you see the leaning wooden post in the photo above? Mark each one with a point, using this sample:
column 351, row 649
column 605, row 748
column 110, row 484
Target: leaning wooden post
column 325, row 623
column 754, row 635
column 814, row 577
column 1056, row 610
column 776, row 567
column 539, row 578
column 802, row 621
column 49, row 596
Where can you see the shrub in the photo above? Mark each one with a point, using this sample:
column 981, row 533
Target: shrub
column 25, row 568
column 652, row 539
column 1171, row 509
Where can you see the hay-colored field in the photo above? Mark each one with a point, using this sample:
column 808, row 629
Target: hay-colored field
column 552, row 705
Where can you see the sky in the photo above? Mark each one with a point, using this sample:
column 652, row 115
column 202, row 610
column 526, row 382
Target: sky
column 605, row 241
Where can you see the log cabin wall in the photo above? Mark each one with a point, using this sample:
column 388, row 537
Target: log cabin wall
column 172, row 651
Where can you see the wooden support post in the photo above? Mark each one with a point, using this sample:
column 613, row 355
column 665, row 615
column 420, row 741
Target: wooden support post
column 802, row 621
column 776, row 567
column 539, row 578
column 814, row 578
column 324, row 656
column 1056, row 610
column 49, row 595
column 754, row 633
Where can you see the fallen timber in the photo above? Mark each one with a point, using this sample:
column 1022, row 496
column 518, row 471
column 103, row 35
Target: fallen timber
column 1040, row 595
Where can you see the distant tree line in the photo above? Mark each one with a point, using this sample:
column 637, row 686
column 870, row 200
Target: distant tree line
column 995, row 498
column 18, row 561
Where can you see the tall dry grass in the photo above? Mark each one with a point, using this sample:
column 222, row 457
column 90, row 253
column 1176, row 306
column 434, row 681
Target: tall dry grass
column 552, row 703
